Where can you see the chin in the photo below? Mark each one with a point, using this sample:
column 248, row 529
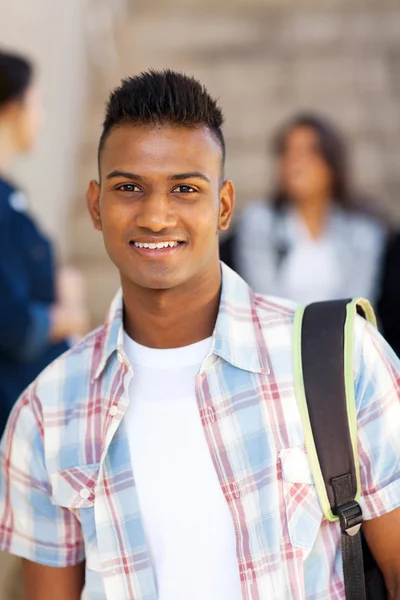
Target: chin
column 155, row 281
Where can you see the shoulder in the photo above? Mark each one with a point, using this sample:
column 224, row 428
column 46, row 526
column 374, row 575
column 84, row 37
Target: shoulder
column 376, row 366
column 257, row 213
column 273, row 310
column 67, row 379
column 364, row 228
column 13, row 203
column 6, row 192
column 377, row 396
column 275, row 320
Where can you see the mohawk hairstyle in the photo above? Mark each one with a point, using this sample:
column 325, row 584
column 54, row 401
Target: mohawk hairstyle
column 163, row 98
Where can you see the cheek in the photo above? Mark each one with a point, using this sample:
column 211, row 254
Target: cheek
column 206, row 231
column 321, row 174
column 114, row 217
column 206, row 215
column 30, row 125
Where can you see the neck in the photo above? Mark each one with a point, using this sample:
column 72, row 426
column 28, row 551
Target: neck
column 176, row 317
column 8, row 152
column 313, row 211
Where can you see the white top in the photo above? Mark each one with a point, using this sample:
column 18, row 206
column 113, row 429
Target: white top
column 276, row 255
column 187, row 521
column 311, row 271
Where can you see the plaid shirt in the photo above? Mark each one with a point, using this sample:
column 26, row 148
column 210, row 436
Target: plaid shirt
column 67, row 490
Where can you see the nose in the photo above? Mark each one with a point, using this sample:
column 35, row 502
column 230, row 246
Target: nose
column 156, row 213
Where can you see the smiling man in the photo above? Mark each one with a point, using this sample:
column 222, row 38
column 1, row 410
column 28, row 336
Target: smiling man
column 163, row 457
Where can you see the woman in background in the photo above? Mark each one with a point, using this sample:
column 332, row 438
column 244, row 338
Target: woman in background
column 311, row 242
column 39, row 309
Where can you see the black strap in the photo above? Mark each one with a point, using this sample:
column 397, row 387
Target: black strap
column 353, row 568
column 322, row 348
column 350, row 518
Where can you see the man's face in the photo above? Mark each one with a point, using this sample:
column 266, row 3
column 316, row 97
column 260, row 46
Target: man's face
column 161, row 203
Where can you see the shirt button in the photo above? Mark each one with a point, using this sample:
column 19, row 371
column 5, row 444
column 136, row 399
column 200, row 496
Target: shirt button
column 120, row 358
column 84, row 493
column 113, row 410
column 236, row 491
column 211, row 414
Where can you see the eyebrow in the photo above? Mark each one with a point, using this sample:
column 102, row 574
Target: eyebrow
column 190, row 175
column 177, row 177
column 125, row 174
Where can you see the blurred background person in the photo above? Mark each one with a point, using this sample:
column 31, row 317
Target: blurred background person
column 389, row 299
column 40, row 308
column 312, row 241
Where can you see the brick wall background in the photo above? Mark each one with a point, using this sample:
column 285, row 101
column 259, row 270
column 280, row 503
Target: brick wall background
column 265, row 60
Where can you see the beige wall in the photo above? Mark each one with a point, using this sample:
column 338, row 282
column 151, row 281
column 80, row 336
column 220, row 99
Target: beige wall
column 53, row 33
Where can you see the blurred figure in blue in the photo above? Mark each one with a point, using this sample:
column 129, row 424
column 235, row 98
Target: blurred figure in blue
column 39, row 308
column 312, row 241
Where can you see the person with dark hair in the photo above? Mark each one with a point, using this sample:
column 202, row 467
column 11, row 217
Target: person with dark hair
column 313, row 241
column 163, row 457
column 34, row 323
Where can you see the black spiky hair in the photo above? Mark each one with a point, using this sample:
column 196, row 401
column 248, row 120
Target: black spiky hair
column 163, row 98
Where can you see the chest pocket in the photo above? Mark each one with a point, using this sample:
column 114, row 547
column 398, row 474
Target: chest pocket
column 303, row 511
column 75, row 490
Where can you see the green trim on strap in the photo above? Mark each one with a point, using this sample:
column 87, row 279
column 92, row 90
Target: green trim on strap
column 368, row 310
column 305, row 418
column 351, row 311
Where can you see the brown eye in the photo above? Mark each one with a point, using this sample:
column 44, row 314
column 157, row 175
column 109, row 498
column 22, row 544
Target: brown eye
column 129, row 187
column 185, row 189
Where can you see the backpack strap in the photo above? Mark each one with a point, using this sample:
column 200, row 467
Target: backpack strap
column 324, row 384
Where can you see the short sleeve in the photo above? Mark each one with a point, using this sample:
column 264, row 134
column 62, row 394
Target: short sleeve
column 377, row 389
column 30, row 525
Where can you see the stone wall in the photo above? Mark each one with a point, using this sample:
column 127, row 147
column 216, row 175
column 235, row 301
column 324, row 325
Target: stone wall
column 265, row 60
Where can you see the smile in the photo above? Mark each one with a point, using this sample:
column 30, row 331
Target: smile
column 159, row 246
column 157, row 249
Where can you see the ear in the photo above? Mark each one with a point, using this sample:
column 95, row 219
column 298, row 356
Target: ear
column 226, row 205
column 93, row 203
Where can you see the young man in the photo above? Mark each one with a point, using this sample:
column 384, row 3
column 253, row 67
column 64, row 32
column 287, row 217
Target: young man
column 166, row 449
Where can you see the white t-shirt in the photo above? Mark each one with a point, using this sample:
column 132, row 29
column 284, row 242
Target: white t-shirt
column 311, row 271
column 187, row 521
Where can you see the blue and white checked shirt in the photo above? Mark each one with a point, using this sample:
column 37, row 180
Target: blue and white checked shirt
column 67, row 490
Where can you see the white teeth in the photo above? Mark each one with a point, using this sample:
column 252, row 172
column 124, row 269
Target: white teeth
column 153, row 246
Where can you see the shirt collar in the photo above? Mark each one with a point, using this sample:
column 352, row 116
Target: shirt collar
column 112, row 339
column 237, row 337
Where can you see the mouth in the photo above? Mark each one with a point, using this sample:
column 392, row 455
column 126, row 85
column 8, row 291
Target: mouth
column 153, row 249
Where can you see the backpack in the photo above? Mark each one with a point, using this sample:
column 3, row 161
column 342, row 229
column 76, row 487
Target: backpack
column 324, row 387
